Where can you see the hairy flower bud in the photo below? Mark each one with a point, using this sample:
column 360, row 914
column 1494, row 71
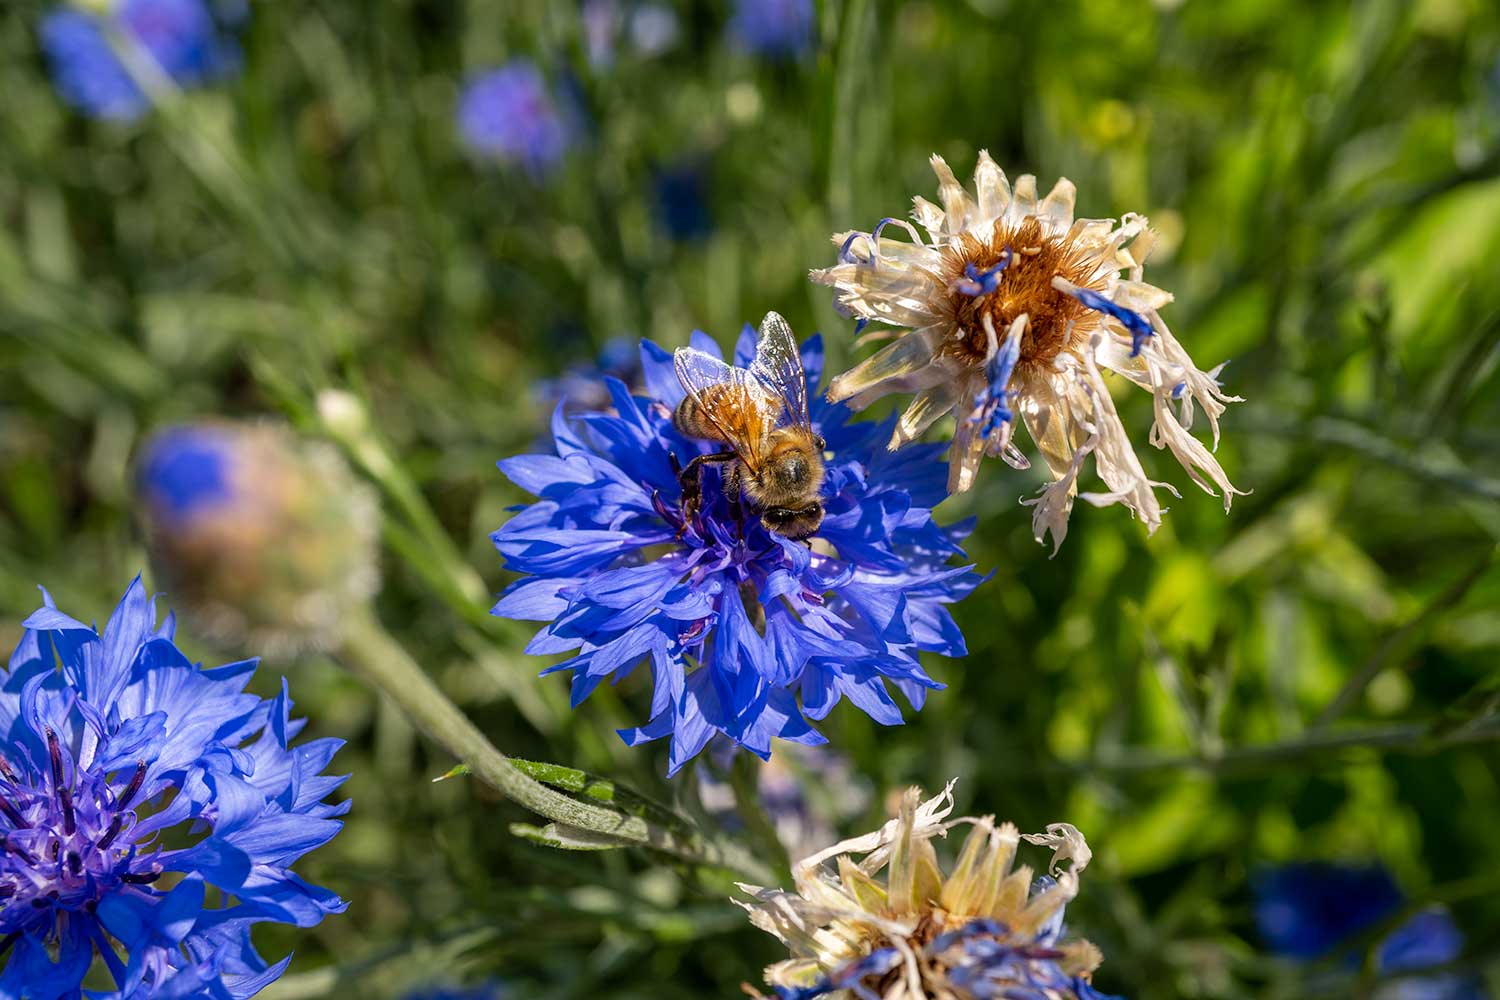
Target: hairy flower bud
column 265, row 539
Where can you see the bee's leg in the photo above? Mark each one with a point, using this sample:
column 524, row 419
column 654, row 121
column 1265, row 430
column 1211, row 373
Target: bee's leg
column 690, row 478
column 732, row 490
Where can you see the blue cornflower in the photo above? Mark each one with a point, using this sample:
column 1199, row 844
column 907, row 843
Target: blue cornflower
column 180, row 36
column 735, row 621
column 777, row 28
column 850, row 977
column 131, row 763
column 1306, row 910
column 1313, row 910
column 509, row 114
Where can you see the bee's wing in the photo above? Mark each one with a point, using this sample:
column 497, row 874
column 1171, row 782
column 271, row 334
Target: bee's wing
column 778, row 366
column 733, row 399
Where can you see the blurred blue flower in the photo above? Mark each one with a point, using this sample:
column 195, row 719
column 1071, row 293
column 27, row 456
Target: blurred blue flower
column 1305, row 910
column 680, row 199
column 601, row 25
column 734, row 620
column 777, row 28
column 1311, row 910
column 650, row 28
column 131, row 763
column 654, row 29
column 510, row 114
column 179, row 35
column 581, row 387
column 188, row 469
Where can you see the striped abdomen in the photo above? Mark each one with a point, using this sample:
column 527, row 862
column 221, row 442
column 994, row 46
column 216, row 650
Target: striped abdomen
column 725, row 413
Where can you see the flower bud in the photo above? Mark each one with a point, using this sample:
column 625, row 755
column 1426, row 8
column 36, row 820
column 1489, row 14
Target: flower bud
column 263, row 538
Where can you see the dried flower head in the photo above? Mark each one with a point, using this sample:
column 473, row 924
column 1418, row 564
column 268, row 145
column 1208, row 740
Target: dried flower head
column 985, row 929
column 1014, row 308
column 264, row 538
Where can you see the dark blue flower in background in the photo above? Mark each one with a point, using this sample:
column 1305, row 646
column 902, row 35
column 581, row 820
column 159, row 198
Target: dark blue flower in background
column 775, row 28
column 510, row 114
column 132, row 783
column 1314, row 910
column 679, row 195
column 1306, row 910
column 735, row 622
column 181, row 36
column 581, row 387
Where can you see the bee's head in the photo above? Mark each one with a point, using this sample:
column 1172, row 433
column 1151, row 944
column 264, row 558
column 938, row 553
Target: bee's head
column 793, row 522
column 795, row 463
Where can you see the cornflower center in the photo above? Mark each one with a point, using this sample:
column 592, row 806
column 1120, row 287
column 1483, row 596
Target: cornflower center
column 1009, row 274
column 67, row 843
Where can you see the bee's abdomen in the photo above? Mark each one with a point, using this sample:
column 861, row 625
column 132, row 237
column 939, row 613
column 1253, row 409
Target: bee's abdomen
column 691, row 420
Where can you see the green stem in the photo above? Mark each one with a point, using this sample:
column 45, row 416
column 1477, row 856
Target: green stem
column 743, row 775
column 346, row 420
column 1406, row 738
column 1362, row 441
column 371, row 653
column 1397, row 640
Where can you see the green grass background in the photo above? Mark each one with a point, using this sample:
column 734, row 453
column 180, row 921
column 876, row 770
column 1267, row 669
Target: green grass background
column 1327, row 178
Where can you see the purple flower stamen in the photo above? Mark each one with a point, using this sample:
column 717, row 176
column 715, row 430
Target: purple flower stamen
column 1138, row 325
column 64, row 793
column 16, row 819
column 134, row 786
column 976, row 282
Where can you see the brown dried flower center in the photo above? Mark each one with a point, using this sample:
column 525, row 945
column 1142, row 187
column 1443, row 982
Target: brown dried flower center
column 1056, row 322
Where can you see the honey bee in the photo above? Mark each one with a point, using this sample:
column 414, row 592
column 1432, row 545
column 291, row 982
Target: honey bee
column 775, row 458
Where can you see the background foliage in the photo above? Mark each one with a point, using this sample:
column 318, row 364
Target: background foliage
column 1325, row 177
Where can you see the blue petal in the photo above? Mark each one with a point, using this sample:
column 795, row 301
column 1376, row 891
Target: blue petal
column 660, row 376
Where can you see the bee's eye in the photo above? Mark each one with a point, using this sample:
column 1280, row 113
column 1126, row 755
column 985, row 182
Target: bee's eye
column 818, row 440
